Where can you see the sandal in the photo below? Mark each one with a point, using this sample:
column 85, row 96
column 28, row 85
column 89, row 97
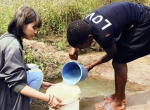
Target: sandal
column 108, row 108
column 110, row 99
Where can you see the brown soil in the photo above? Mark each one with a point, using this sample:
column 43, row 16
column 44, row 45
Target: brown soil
column 138, row 74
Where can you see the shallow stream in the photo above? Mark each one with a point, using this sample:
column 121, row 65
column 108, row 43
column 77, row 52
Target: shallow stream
column 92, row 87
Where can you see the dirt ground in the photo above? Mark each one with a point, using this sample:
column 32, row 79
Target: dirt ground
column 138, row 74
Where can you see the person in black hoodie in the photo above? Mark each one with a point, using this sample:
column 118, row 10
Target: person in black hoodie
column 122, row 29
column 17, row 81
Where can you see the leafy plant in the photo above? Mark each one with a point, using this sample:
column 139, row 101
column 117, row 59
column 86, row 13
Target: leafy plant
column 29, row 58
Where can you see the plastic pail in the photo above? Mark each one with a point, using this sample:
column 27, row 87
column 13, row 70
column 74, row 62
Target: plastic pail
column 69, row 94
column 72, row 73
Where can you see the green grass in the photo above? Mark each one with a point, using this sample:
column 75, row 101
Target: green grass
column 55, row 14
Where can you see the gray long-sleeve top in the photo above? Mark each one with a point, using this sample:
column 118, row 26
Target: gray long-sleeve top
column 13, row 75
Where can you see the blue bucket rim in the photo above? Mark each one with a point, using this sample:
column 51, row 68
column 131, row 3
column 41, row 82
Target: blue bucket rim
column 78, row 66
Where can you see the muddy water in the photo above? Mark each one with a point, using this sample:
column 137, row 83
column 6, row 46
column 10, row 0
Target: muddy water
column 92, row 87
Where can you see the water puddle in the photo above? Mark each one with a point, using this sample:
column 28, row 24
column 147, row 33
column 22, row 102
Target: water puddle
column 92, row 87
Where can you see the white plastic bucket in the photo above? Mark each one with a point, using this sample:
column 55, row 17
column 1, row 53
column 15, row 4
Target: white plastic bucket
column 69, row 94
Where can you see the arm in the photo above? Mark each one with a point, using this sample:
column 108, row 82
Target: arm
column 110, row 53
column 54, row 102
column 30, row 92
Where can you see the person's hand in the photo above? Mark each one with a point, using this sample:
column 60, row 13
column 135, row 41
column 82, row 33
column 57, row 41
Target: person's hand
column 46, row 85
column 89, row 67
column 55, row 102
column 73, row 54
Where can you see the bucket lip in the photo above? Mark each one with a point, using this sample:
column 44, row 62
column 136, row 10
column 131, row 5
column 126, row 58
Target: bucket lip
column 67, row 101
column 78, row 66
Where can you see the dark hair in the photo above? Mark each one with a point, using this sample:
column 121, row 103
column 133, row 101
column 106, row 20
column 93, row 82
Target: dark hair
column 24, row 15
column 77, row 32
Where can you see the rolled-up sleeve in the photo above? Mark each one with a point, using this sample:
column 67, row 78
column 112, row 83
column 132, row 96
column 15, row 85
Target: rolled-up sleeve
column 13, row 71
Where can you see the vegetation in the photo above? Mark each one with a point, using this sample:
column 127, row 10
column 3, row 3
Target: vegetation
column 55, row 14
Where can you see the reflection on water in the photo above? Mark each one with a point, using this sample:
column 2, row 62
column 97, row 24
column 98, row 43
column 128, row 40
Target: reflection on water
column 92, row 87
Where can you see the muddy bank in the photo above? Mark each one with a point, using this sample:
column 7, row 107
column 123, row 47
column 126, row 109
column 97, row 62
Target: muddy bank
column 53, row 60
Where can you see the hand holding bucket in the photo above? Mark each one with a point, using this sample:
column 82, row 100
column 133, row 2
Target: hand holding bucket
column 72, row 73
